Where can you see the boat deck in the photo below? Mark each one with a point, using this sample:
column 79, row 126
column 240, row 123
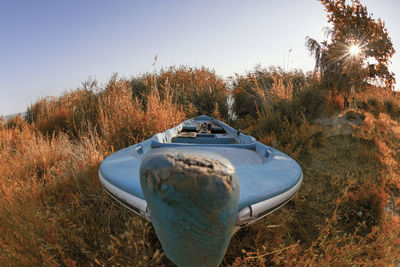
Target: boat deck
column 264, row 173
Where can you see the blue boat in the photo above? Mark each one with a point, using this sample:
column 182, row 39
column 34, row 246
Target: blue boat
column 198, row 183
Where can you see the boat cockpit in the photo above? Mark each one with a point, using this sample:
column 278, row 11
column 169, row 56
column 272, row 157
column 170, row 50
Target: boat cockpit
column 203, row 133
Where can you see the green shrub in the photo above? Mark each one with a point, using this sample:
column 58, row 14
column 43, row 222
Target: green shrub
column 311, row 101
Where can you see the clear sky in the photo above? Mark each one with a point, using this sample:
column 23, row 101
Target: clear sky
column 47, row 47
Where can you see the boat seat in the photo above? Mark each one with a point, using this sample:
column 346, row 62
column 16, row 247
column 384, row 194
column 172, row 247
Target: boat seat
column 216, row 129
column 189, row 129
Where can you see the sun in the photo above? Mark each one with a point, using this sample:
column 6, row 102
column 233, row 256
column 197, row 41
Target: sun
column 354, row 50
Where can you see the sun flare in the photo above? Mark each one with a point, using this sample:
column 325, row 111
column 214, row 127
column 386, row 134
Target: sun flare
column 354, row 50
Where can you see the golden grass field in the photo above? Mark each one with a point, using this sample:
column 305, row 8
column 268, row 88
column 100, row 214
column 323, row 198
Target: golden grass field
column 53, row 211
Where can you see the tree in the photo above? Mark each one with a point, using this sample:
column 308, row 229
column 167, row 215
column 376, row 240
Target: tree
column 316, row 50
column 355, row 38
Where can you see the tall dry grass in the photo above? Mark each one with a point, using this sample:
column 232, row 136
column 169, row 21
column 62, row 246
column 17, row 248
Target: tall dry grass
column 72, row 113
column 125, row 120
column 198, row 90
column 53, row 211
column 262, row 87
column 379, row 101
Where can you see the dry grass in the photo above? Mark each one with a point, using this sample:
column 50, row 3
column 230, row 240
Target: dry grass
column 53, row 211
column 197, row 90
column 379, row 101
column 124, row 120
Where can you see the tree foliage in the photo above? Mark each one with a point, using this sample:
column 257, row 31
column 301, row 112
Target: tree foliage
column 352, row 25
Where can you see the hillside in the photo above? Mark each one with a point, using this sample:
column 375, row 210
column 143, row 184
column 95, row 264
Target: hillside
column 53, row 211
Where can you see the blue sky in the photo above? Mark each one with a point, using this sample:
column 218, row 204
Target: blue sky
column 47, row 47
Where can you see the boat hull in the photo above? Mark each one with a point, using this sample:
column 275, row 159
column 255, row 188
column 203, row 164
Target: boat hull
column 266, row 180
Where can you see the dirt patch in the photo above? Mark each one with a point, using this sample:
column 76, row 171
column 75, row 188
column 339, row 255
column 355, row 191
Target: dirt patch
column 342, row 124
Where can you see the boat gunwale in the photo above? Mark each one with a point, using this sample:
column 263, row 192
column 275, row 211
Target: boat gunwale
column 128, row 200
column 245, row 216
